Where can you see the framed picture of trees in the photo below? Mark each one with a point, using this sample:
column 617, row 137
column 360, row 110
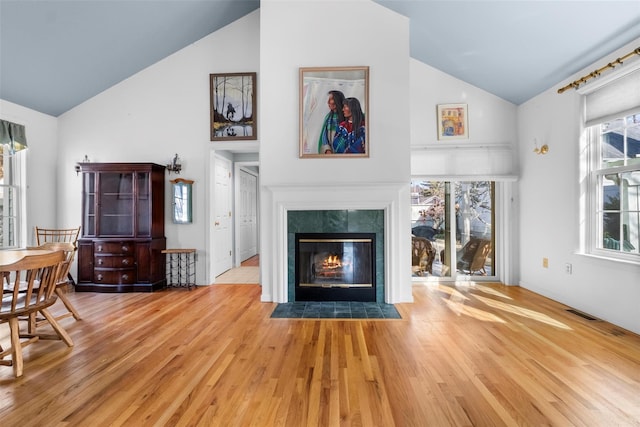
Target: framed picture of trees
column 233, row 106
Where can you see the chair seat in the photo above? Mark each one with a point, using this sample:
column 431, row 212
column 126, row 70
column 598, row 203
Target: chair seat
column 21, row 306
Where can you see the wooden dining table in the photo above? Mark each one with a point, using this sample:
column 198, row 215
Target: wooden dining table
column 8, row 257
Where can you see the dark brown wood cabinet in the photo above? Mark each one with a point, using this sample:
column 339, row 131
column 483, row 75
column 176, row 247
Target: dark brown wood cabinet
column 120, row 249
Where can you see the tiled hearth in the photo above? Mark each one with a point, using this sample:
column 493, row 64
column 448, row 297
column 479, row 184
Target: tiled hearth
column 336, row 221
column 335, row 310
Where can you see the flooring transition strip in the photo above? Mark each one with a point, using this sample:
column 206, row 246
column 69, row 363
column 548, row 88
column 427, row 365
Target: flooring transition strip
column 335, row 310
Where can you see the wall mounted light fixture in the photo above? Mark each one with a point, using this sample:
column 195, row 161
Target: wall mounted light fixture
column 544, row 149
column 85, row 160
column 175, row 165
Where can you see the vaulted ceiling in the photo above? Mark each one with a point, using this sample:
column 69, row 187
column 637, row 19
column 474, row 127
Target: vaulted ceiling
column 55, row 54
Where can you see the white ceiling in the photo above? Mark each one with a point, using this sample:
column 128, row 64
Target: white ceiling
column 56, row 54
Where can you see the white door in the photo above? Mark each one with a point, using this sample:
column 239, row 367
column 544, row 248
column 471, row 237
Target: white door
column 222, row 236
column 247, row 216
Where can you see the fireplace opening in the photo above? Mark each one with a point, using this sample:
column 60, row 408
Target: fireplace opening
column 335, row 267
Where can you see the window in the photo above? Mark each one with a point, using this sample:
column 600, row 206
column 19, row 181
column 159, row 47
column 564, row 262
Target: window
column 10, row 198
column 452, row 224
column 615, row 187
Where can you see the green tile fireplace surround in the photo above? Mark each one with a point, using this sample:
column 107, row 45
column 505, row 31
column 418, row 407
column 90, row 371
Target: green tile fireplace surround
column 336, row 221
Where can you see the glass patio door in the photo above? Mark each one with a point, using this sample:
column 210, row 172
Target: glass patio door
column 452, row 228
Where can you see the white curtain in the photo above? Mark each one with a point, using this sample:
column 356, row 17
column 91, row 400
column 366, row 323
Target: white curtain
column 615, row 98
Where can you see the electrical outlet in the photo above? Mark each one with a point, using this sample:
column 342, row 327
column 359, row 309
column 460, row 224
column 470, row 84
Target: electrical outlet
column 545, row 262
column 568, row 268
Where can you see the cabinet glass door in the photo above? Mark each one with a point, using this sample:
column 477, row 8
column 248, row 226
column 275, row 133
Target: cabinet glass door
column 89, row 205
column 144, row 204
column 116, row 204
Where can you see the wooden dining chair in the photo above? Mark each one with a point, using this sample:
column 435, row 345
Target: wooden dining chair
column 62, row 282
column 29, row 287
column 58, row 235
column 46, row 235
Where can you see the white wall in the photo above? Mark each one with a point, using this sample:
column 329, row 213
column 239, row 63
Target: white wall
column 42, row 166
column 550, row 192
column 489, row 151
column 320, row 33
column 154, row 114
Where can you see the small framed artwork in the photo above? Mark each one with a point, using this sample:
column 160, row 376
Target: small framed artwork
column 453, row 121
column 233, row 106
column 334, row 107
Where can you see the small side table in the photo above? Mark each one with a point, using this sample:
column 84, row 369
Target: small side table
column 181, row 268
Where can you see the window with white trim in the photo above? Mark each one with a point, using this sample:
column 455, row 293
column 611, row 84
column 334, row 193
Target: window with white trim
column 612, row 165
column 13, row 144
column 615, row 184
column 10, row 198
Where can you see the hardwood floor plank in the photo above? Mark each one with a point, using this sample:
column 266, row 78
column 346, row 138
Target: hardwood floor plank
column 481, row 355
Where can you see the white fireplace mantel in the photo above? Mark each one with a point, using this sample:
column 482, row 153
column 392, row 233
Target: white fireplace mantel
column 392, row 198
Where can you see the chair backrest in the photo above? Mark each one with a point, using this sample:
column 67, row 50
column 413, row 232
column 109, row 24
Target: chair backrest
column 468, row 251
column 29, row 284
column 46, row 235
column 422, row 253
column 69, row 250
column 480, row 257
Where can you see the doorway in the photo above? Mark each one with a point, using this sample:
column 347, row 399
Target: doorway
column 233, row 212
column 246, row 211
column 222, row 216
column 452, row 230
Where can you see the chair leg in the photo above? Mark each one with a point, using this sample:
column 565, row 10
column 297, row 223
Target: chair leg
column 16, row 347
column 64, row 336
column 68, row 304
column 32, row 323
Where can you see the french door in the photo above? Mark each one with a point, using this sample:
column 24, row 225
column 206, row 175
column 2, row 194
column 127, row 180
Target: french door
column 452, row 228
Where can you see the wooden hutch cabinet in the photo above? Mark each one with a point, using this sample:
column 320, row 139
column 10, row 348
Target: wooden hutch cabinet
column 122, row 240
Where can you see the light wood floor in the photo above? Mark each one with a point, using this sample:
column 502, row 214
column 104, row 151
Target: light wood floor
column 254, row 261
column 487, row 355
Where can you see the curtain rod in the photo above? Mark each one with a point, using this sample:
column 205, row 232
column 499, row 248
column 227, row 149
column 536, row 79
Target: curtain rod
column 576, row 84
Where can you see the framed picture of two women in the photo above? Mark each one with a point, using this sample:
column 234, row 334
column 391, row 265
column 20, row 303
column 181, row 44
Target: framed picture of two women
column 334, row 106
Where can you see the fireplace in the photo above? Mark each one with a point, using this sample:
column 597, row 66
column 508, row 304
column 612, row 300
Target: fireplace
column 335, row 267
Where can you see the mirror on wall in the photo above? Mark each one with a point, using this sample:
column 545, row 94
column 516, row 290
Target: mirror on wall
column 181, row 200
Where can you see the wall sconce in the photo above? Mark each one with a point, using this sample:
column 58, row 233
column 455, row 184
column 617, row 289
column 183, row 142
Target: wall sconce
column 85, row 160
column 175, row 165
column 544, row 149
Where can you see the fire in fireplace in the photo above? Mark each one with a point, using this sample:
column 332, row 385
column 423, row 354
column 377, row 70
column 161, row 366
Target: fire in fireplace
column 335, row 267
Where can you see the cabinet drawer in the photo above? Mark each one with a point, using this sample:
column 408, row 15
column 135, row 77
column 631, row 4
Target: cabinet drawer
column 113, row 261
column 124, row 277
column 120, row 248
